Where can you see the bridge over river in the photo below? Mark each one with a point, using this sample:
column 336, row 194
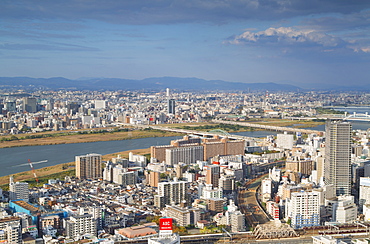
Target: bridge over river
column 194, row 132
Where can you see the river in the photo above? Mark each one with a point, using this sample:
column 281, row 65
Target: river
column 15, row 160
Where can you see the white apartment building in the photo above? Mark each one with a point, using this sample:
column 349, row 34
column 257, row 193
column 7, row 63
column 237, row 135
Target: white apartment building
column 304, row 209
column 285, row 141
column 266, row 189
column 209, row 192
column 77, row 226
column 124, row 177
column 186, row 155
column 18, row 190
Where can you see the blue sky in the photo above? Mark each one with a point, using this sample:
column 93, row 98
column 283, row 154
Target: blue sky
column 285, row 41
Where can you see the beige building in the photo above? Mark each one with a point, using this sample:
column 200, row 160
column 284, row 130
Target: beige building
column 212, row 174
column 89, row 166
column 182, row 216
column 152, row 178
column 295, row 164
column 211, row 147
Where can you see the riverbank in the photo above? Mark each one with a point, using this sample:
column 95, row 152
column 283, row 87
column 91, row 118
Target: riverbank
column 66, row 138
column 66, row 169
column 290, row 123
column 115, row 134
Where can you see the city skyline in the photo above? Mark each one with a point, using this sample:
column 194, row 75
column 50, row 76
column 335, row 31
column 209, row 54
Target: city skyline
column 239, row 41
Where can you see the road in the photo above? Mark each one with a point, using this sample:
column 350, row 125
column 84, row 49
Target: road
column 249, row 206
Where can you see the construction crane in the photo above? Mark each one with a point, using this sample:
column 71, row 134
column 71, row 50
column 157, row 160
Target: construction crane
column 33, row 171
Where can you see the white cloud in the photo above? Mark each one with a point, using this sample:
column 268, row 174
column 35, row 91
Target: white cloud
column 287, row 36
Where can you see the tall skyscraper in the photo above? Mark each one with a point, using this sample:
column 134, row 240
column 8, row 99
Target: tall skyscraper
column 337, row 165
column 89, row 166
column 171, row 106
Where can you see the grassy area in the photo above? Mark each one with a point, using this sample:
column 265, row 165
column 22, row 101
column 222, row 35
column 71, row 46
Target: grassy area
column 60, row 170
column 328, row 111
column 293, row 123
column 52, row 138
column 209, row 127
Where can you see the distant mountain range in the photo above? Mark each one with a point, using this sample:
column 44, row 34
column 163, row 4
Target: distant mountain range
column 160, row 83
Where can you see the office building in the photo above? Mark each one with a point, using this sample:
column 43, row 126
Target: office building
column 29, row 104
column 345, row 210
column 89, row 166
column 337, row 165
column 171, row 106
column 168, row 92
column 212, row 147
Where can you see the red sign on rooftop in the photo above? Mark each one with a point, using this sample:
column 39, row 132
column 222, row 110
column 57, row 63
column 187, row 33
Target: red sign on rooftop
column 165, row 224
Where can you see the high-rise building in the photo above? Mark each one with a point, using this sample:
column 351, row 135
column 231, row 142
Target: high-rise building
column 168, row 92
column 304, row 209
column 79, row 225
column 29, row 104
column 171, row 106
column 89, row 166
column 296, row 164
column 186, row 155
column 18, row 190
column 337, row 165
column 285, row 141
column 152, row 178
column 171, row 193
column 213, row 174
